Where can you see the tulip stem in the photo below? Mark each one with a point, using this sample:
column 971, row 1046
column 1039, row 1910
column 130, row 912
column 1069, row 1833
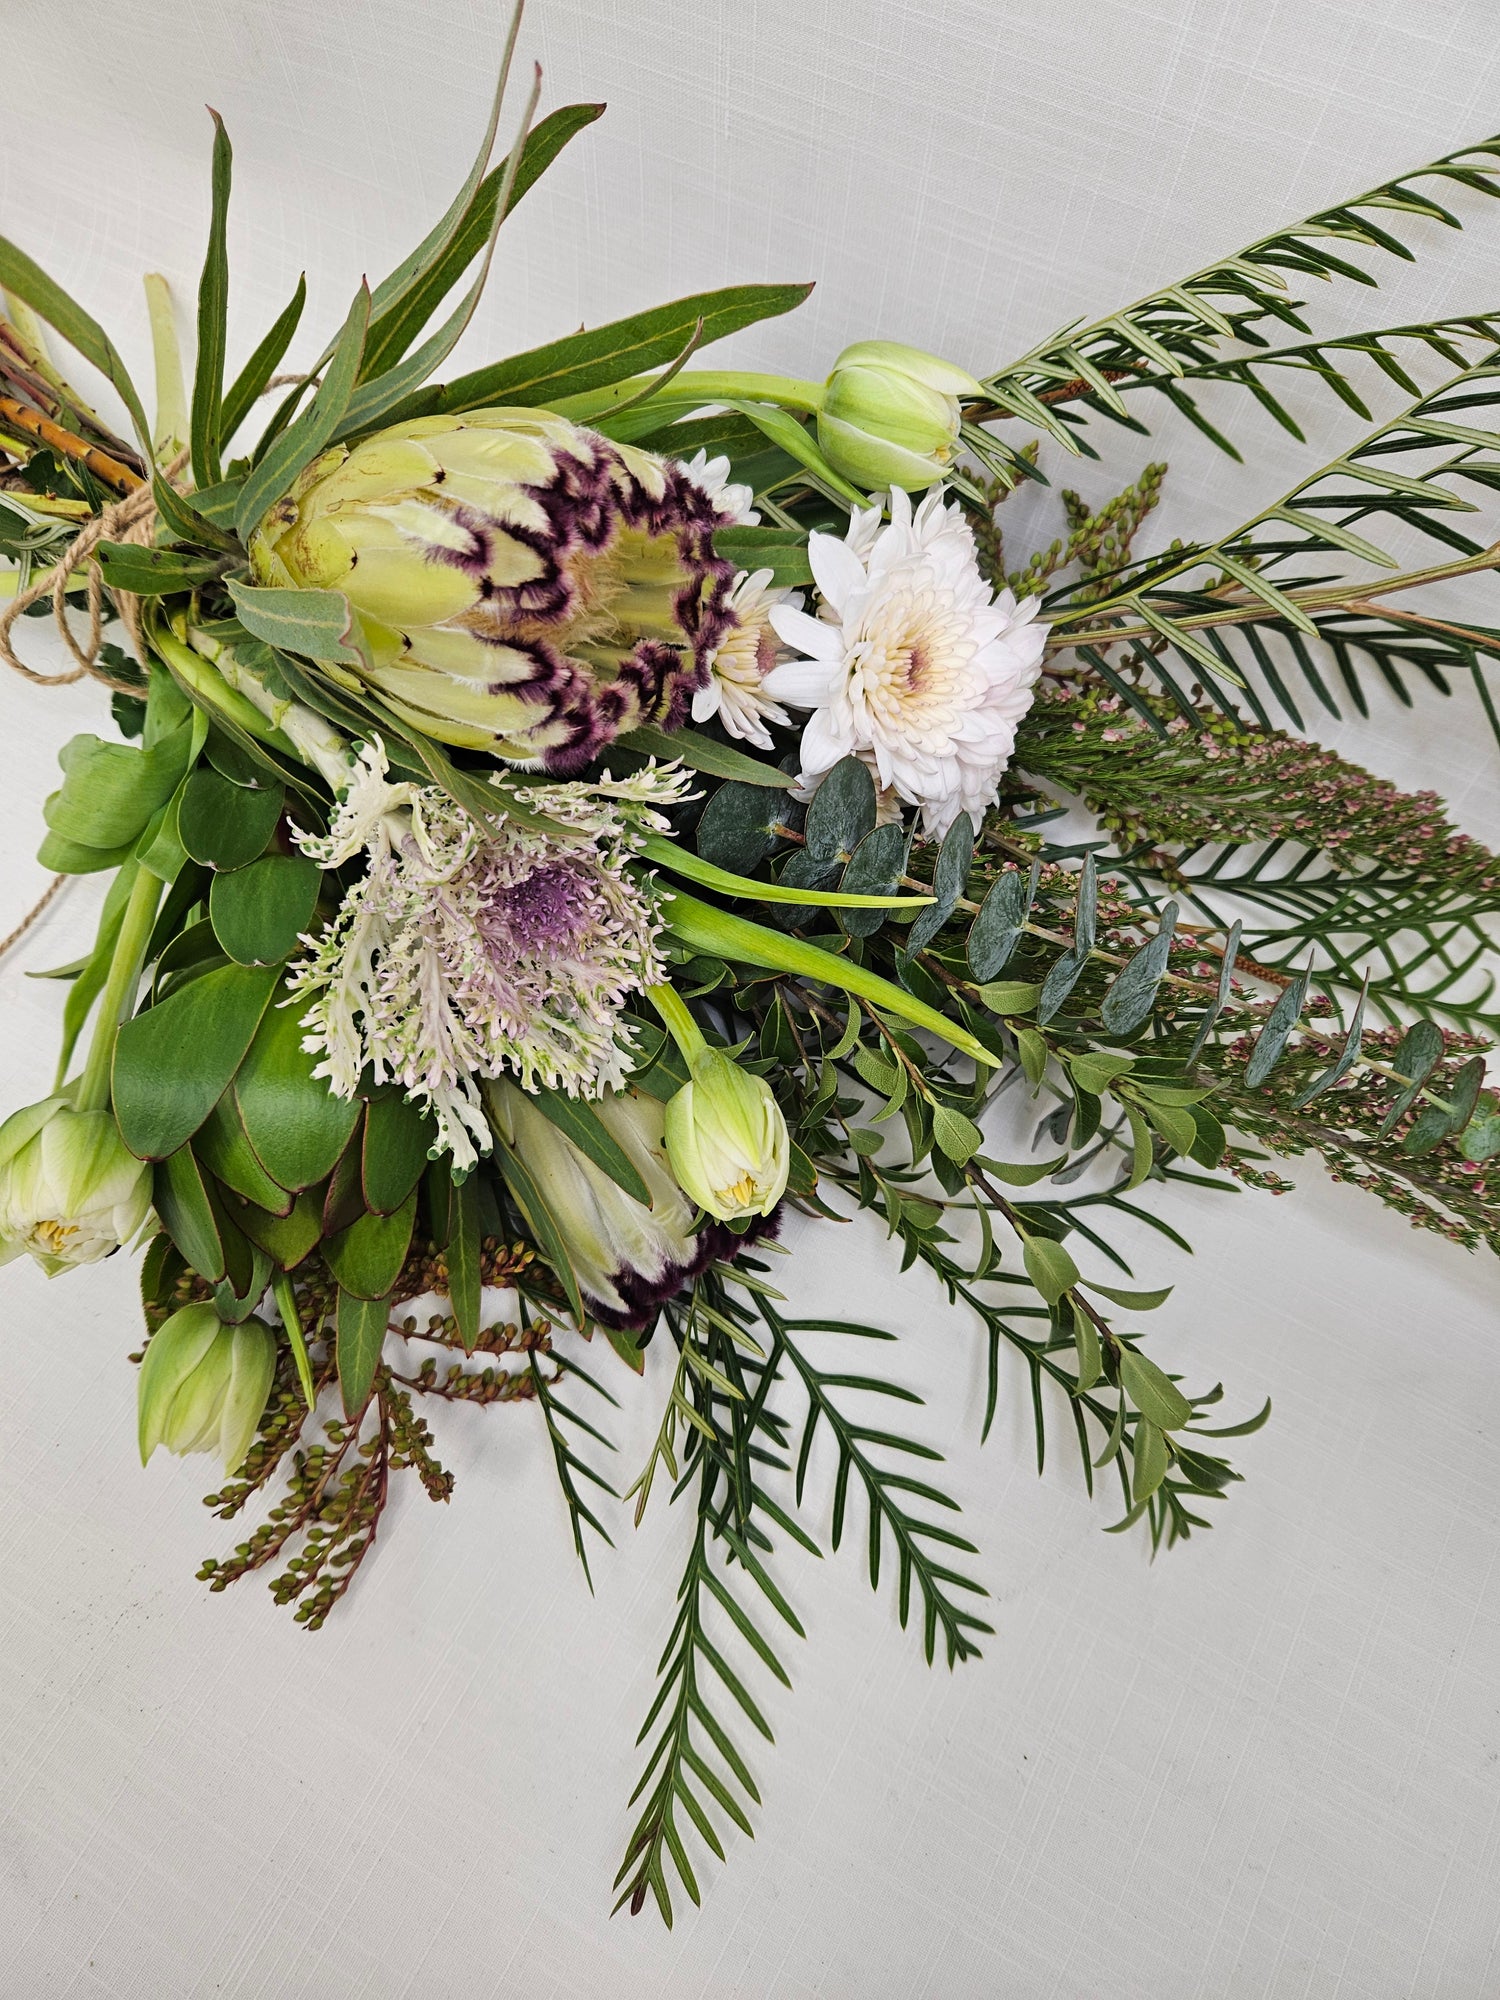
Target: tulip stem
column 119, row 989
column 286, row 1304
column 680, row 1024
column 698, row 385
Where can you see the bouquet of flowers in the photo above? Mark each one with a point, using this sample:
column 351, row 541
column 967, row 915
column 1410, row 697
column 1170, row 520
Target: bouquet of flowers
column 567, row 815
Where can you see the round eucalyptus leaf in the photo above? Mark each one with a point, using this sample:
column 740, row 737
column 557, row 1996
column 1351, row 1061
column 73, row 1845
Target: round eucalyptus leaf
column 875, row 869
column 736, row 830
column 259, row 912
column 223, row 823
column 842, row 811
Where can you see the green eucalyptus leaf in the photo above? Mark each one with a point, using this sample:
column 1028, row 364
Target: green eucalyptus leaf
column 842, row 812
column 737, row 829
column 1132, row 993
column 1270, row 1043
column 950, row 877
column 998, row 928
column 1062, row 977
column 259, row 912
column 1419, row 1053
column 875, row 869
column 174, row 1061
column 296, row 1126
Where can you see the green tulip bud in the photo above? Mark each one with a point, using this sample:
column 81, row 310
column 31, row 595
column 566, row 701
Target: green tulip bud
column 727, row 1140
column 71, row 1191
column 204, row 1385
column 890, row 414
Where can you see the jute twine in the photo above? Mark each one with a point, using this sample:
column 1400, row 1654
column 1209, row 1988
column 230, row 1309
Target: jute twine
column 132, row 519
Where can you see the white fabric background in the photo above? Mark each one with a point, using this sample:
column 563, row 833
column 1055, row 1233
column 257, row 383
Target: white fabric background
column 1267, row 1766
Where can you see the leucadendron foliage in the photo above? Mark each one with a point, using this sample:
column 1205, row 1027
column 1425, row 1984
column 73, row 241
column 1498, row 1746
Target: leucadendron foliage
column 457, row 1001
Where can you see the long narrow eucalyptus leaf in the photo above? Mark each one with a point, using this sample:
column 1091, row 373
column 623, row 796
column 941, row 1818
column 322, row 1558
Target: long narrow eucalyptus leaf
column 213, row 323
column 374, row 398
column 300, row 444
column 251, row 382
column 668, row 854
column 704, row 929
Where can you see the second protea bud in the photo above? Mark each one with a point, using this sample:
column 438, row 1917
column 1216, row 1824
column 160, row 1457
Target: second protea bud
column 521, row 585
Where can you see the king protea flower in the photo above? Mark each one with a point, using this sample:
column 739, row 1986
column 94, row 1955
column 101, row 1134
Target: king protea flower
column 520, row 585
column 916, row 667
column 466, row 951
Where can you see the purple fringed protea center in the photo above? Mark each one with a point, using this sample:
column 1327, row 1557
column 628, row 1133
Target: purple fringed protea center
column 645, row 1296
column 628, row 1259
column 520, row 585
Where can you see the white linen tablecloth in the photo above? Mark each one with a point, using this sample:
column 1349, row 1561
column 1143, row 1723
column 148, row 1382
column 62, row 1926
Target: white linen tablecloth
column 1266, row 1766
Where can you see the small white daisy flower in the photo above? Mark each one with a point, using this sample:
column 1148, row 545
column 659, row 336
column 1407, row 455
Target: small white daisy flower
column 738, row 665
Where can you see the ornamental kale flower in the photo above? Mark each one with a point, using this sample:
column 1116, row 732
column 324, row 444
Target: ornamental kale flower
column 520, row 585
column 915, row 666
column 467, row 951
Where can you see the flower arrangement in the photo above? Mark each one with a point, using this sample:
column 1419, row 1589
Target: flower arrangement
column 565, row 816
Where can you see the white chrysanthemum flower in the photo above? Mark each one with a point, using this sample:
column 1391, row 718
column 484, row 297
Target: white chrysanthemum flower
column 711, row 476
column 738, row 665
column 469, row 951
column 916, row 667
